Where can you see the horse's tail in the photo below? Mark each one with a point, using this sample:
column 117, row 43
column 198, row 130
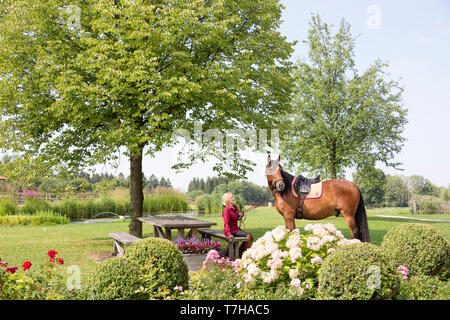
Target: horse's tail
column 361, row 221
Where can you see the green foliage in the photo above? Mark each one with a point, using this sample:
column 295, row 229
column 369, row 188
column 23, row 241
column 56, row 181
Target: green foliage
column 7, row 207
column 372, row 183
column 419, row 247
column 341, row 118
column 177, row 60
column 428, row 205
column 396, row 193
column 212, row 203
column 422, row 287
column 215, row 283
column 166, row 203
column 33, row 204
column 38, row 218
column 161, row 262
column 420, row 185
column 249, row 192
column 192, row 195
column 359, row 271
column 116, row 279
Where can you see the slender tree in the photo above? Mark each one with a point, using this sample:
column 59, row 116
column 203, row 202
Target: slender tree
column 81, row 83
column 341, row 118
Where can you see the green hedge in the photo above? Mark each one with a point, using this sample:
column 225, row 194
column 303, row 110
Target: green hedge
column 41, row 217
column 358, row 271
column 424, row 288
column 161, row 262
column 419, row 247
column 116, row 279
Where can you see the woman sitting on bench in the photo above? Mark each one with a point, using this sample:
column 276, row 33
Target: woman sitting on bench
column 231, row 216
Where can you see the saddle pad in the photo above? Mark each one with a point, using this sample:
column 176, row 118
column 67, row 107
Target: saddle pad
column 316, row 191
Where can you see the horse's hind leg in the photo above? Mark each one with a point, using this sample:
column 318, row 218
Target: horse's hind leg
column 351, row 223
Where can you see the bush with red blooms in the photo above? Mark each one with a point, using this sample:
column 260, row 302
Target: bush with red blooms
column 30, row 284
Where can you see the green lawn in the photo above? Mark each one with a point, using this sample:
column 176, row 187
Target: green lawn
column 76, row 243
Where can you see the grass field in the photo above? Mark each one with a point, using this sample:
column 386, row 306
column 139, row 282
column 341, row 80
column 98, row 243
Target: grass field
column 82, row 244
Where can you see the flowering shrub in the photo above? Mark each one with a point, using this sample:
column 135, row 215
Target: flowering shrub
column 195, row 246
column 32, row 285
column 421, row 247
column 218, row 279
column 288, row 257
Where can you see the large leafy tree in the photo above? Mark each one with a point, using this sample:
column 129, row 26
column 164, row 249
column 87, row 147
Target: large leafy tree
column 341, row 118
column 80, row 83
column 372, row 183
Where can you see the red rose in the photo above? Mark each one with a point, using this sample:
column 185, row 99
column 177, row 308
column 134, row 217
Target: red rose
column 5, row 264
column 26, row 265
column 52, row 253
column 12, row 270
column 61, row 261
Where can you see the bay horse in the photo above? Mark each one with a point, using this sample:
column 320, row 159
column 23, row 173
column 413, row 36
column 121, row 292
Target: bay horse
column 338, row 197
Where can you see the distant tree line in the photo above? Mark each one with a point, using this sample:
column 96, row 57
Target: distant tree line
column 84, row 181
column 217, row 186
column 384, row 190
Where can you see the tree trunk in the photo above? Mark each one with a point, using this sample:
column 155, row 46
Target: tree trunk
column 136, row 193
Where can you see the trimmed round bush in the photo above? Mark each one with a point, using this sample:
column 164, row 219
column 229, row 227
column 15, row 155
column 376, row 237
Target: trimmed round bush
column 419, row 247
column 116, row 279
column 161, row 262
column 358, row 271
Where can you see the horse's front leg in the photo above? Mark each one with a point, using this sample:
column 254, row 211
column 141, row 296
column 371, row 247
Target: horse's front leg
column 289, row 220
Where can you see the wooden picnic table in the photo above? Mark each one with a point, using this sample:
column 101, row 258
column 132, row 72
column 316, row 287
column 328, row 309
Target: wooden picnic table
column 163, row 225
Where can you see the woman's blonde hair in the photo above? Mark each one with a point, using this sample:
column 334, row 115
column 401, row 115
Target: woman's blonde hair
column 226, row 198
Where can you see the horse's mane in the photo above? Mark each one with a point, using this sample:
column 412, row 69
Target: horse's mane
column 287, row 180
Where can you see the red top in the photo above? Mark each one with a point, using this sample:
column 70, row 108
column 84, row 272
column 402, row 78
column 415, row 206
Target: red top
column 230, row 216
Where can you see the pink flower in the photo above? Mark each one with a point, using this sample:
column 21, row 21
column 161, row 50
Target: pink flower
column 178, row 288
column 61, row 261
column 403, row 271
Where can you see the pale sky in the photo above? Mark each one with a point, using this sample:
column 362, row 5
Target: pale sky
column 414, row 37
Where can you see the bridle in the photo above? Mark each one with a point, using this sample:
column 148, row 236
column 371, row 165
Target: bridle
column 274, row 183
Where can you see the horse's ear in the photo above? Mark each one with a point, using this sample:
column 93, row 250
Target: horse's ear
column 278, row 159
column 268, row 159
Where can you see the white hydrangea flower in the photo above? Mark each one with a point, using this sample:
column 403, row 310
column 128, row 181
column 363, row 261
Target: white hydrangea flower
column 293, row 273
column 296, row 283
column 331, row 250
column 266, row 277
column 313, row 243
column 274, row 274
column 293, row 241
column 253, row 269
column 339, row 234
column 295, row 253
column 316, row 260
column 309, row 227
column 278, row 233
column 331, row 228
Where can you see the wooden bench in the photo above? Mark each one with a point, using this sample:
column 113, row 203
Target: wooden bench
column 233, row 244
column 121, row 239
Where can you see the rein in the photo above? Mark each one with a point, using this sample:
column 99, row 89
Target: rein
column 242, row 220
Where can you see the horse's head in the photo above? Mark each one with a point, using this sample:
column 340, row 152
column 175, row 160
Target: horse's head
column 273, row 173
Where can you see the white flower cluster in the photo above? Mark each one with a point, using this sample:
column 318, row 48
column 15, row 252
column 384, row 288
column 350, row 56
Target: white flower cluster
column 279, row 252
